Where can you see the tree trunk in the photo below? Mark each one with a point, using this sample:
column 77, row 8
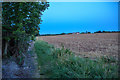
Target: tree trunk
column 6, row 46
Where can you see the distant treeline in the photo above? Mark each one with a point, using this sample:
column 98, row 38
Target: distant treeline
column 80, row 33
column 107, row 32
column 52, row 34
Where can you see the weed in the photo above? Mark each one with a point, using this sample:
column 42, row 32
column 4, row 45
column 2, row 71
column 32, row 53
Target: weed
column 108, row 59
column 62, row 63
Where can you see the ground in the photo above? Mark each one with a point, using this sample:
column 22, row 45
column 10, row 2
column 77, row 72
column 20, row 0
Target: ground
column 10, row 69
column 89, row 45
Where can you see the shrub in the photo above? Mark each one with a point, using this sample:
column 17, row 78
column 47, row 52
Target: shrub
column 62, row 63
column 108, row 59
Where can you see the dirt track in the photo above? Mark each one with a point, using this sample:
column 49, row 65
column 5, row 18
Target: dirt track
column 10, row 69
column 87, row 44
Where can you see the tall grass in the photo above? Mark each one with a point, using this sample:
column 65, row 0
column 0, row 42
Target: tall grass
column 62, row 63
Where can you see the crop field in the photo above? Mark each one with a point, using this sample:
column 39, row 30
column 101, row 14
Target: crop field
column 87, row 45
column 78, row 55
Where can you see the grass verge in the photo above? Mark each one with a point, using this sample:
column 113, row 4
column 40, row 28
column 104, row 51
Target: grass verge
column 62, row 63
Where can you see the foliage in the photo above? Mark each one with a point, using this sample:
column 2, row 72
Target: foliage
column 107, row 32
column 20, row 24
column 108, row 59
column 62, row 63
column 63, row 33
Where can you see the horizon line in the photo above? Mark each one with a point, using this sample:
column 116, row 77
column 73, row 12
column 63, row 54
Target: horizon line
column 101, row 31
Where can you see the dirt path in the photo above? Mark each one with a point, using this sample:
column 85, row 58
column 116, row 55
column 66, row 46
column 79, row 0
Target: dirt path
column 29, row 69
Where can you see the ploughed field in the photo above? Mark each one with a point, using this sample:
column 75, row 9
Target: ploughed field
column 87, row 45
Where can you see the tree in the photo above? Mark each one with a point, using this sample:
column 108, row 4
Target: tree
column 62, row 33
column 98, row 32
column 20, row 22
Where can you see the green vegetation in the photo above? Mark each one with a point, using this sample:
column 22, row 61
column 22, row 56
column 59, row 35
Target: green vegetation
column 80, row 33
column 107, row 32
column 62, row 63
column 53, row 34
column 20, row 25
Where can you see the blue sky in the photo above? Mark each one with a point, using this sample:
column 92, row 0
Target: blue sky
column 66, row 17
column 83, row 0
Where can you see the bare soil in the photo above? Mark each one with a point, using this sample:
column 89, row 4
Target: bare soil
column 10, row 69
column 88, row 45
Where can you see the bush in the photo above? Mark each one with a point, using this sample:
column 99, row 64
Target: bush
column 108, row 59
column 62, row 63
